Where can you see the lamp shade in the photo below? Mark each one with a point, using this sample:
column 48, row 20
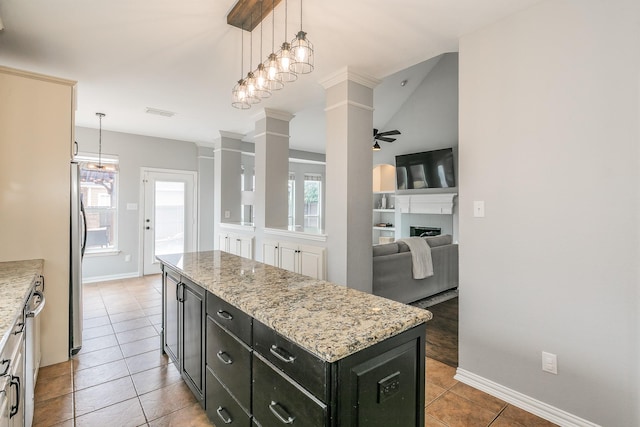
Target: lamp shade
column 301, row 54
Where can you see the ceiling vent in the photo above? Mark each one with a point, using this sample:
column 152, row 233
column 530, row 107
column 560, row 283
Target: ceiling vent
column 158, row 112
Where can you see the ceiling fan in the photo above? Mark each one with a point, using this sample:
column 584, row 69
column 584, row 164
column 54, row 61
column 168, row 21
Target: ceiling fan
column 383, row 136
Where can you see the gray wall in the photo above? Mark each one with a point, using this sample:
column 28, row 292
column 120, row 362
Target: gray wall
column 428, row 120
column 134, row 152
column 549, row 139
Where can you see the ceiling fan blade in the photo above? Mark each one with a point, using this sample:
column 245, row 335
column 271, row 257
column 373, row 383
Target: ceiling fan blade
column 385, row 139
column 375, row 132
column 389, row 133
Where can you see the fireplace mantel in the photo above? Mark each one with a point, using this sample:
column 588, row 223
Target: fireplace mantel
column 437, row 203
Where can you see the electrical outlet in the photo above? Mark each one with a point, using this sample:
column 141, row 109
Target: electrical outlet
column 550, row 363
column 227, row 214
column 478, row 208
column 127, row 258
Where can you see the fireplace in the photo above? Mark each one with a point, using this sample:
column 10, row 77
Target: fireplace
column 415, row 230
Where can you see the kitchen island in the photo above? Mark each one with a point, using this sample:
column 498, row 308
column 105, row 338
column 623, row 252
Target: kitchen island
column 259, row 344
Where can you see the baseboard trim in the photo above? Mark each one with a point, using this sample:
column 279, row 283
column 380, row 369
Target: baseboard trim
column 96, row 279
column 522, row 401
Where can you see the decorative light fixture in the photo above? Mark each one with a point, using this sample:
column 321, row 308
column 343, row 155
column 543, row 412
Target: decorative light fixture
column 280, row 67
column 99, row 167
column 239, row 92
column 284, row 55
column 262, row 79
column 376, row 146
column 252, row 94
column 301, row 51
column 272, row 64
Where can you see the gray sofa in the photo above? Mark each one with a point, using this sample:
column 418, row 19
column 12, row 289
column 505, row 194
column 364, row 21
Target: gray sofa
column 393, row 276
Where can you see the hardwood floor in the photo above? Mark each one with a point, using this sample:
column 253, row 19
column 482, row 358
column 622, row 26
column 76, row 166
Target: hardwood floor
column 442, row 332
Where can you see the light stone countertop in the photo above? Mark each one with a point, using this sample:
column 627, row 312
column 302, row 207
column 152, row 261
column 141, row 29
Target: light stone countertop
column 326, row 319
column 16, row 278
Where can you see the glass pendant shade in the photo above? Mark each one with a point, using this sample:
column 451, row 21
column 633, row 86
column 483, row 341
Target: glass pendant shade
column 301, row 54
column 239, row 94
column 284, row 58
column 252, row 96
column 272, row 67
column 262, row 82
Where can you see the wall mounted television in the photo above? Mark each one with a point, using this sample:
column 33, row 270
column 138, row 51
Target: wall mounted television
column 429, row 169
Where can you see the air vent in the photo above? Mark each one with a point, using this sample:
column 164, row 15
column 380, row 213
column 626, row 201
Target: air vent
column 158, row 112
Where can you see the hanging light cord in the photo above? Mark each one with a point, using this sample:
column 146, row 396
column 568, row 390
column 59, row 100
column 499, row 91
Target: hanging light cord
column 285, row 20
column 273, row 26
column 100, row 115
column 300, row 15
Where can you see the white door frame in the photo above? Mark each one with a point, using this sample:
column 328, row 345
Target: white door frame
column 141, row 211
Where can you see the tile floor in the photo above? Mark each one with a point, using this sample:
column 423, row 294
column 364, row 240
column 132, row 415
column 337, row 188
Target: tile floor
column 120, row 378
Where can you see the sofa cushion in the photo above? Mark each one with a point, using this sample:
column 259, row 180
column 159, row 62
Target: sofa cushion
column 386, row 249
column 434, row 241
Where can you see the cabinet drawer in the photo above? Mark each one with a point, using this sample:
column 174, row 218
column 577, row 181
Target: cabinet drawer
column 222, row 409
column 310, row 371
column 229, row 317
column 277, row 400
column 230, row 361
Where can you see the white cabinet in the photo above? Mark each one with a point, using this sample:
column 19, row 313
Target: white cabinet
column 303, row 259
column 237, row 244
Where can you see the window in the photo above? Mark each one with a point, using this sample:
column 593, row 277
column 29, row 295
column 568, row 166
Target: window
column 312, row 200
column 292, row 199
column 99, row 194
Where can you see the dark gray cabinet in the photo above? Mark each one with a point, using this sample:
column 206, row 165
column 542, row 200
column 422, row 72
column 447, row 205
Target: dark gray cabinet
column 247, row 374
column 184, row 328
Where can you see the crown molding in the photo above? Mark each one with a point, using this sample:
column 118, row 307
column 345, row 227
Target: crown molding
column 347, row 74
column 273, row 114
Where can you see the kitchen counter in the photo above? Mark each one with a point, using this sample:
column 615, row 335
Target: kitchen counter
column 328, row 320
column 16, row 278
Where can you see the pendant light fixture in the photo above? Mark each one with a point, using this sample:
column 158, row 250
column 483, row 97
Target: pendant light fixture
column 100, row 165
column 301, row 51
column 100, row 172
column 239, row 92
column 262, row 80
column 272, row 65
column 284, row 56
column 252, row 95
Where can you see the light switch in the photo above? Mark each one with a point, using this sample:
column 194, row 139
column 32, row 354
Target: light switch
column 478, row 208
column 132, row 206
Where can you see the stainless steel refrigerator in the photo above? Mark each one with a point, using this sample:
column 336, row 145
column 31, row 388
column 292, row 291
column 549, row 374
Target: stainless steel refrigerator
column 78, row 237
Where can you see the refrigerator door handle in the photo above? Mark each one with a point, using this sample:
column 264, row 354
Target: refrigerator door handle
column 84, row 228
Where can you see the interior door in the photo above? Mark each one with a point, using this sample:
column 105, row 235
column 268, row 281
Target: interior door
column 169, row 223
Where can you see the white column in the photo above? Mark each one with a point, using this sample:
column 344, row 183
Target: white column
column 349, row 122
column 227, row 173
column 271, row 168
column 206, row 204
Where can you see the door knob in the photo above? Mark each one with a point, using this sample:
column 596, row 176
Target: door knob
column 148, row 228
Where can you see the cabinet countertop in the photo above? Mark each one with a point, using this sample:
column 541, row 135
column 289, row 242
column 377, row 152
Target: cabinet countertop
column 328, row 320
column 16, row 278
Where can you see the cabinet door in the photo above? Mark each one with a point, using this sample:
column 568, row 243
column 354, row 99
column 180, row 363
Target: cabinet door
column 289, row 257
column 311, row 261
column 193, row 310
column 270, row 253
column 223, row 241
column 170, row 318
column 246, row 247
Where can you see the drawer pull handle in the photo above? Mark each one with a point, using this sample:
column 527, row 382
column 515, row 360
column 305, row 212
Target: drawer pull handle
column 280, row 413
column 15, row 382
column 224, row 315
column 224, row 415
column 281, row 354
column 224, row 358
column 6, row 362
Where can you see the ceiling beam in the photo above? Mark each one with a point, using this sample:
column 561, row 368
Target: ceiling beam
column 246, row 13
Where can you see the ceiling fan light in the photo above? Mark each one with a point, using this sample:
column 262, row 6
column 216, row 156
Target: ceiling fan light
column 284, row 58
column 376, row 146
column 239, row 96
column 301, row 54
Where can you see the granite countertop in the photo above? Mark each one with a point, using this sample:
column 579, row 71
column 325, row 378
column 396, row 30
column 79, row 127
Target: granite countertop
column 16, row 278
column 328, row 320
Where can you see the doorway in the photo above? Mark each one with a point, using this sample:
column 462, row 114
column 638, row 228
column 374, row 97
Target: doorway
column 169, row 215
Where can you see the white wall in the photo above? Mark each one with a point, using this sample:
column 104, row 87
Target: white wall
column 134, row 152
column 549, row 139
